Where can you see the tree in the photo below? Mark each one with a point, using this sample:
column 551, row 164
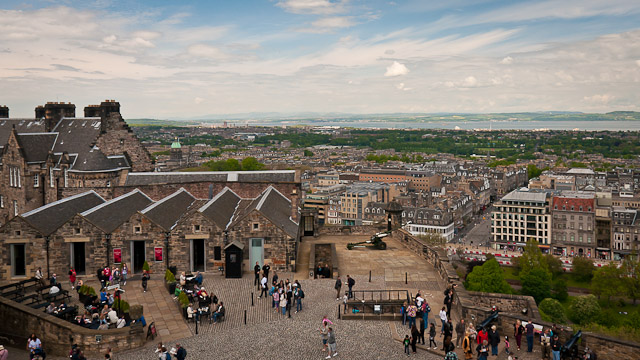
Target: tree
column 554, row 264
column 531, row 258
column 559, row 290
column 607, row 281
column 582, row 268
column 553, row 310
column 584, row 309
column 537, row 283
column 488, row 278
column 251, row 164
column 631, row 277
column 308, row 153
column 533, row 171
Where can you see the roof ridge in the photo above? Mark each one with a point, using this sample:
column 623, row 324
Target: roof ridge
column 109, row 202
column 35, row 211
column 150, row 207
column 215, row 198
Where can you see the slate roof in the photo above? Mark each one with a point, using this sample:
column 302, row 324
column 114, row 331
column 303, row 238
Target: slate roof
column 111, row 214
column 36, row 146
column 221, row 208
column 166, row 212
column 155, row 178
column 22, row 126
column 274, row 206
column 76, row 135
column 47, row 219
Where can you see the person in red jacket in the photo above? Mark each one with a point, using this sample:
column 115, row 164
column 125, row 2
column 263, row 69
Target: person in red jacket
column 482, row 335
column 72, row 278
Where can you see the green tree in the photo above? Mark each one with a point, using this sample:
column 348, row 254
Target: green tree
column 533, row 171
column 308, row 153
column 631, row 277
column 582, row 268
column 607, row 281
column 532, row 258
column 488, row 278
column 584, row 309
column 559, row 290
column 554, row 264
column 553, row 310
column 251, row 164
column 536, row 283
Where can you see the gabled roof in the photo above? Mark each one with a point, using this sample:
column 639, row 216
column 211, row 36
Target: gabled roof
column 157, row 178
column 221, row 208
column 47, row 219
column 111, row 214
column 275, row 207
column 166, row 212
column 36, row 146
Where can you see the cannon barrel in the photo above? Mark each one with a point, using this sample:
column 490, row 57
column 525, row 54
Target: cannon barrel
column 489, row 319
column 568, row 346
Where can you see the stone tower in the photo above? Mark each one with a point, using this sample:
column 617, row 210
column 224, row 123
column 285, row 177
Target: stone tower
column 175, row 153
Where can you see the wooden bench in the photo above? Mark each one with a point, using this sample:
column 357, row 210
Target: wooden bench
column 27, row 297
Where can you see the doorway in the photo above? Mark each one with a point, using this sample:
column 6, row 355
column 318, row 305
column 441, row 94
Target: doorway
column 197, row 255
column 138, row 255
column 18, row 260
column 78, row 261
column 308, row 225
column 256, row 252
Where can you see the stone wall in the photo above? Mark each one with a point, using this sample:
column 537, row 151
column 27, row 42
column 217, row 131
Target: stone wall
column 57, row 335
column 350, row 230
column 474, row 307
column 18, row 231
column 119, row 138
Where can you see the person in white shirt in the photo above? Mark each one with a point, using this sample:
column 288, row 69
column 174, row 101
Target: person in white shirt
column 54, row 290
column 113, row 316
column 443, row 317
column 263, row 287
column 419, row 301
column 121, row 322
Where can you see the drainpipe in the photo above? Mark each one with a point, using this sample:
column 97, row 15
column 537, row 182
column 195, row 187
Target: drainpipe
column 108, row 239
column 46, row 240
column 166, row 246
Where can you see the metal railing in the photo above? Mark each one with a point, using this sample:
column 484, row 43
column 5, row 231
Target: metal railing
column 381, row 295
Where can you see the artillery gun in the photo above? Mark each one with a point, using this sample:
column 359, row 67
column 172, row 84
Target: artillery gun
column 375, row 242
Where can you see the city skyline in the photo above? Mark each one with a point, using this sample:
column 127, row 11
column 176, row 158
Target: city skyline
column 166, row 61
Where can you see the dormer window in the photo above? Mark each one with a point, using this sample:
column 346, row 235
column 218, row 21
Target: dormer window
column 196, row 228
column 137, row 229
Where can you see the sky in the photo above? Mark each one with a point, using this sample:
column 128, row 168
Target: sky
column 179, row 59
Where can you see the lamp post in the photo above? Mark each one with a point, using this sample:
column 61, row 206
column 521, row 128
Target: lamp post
column 108, row 240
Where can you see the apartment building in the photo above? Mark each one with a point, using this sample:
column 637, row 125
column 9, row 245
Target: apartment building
column 574, row 224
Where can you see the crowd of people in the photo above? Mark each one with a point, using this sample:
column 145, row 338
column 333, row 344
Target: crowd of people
column 177, row 352
column 283, row 292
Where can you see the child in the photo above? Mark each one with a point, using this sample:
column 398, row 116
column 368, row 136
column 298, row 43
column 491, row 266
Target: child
column 506, row 345
column 432, row 336
column 406, row 344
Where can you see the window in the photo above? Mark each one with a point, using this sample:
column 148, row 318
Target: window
column 77, row 231
column 108, row 183
column 15, row 207
column 196, row 228
column 217, row 253
column 18, row 232
column 66, row 177
column 2, row 201
column 11, row 176
column 255, row 227
column 137, row 229
column 50, row 177
column 36, row 181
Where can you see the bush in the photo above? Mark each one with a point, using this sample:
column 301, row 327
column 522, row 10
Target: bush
column 584, row 309
column 145, row 266
column 554, row 264
column 536, row 283
column 559, row 290
column 169, row 277
column 583, row 268
column 488, row 278
column 554, row 310
column 183, row 299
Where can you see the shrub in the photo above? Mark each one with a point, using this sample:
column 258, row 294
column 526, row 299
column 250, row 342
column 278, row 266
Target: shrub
column 584, row 309
column 487, row 278
column 559, row 290
column 169, row 277
column 553, row 309
column 145, row 266
column 582, row 268
column 183, row 299
column 536, row 283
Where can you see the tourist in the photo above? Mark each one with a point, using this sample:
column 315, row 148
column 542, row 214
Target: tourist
column 34, row 345
column 190, row 312
column 414, row 337
column 181, row 353
column 518, row 330
column 472, row 332
column 121, row 322
column 460, row 330
column 145, row 280
column 403, row 312
column 299, row 295
column 529, row 329
column 289, row 296
column 324, row 334
column 125, row 272
column 283, row 303
column 72, row 278
column 265, row 270
column 545, row 344
column 162, row 355
column 432, row 336
column 507, row 345
column 350, row 283
column 466, row 346
column 263, row 286
column 110, row 299
column 406, row 344
column 443, row 318
column 113, row 316
column 276, row 299
column 412, row 311
column 103, row 296
column 332, row 344
column 219, row 313
column 256, row 271
column 39, row 276
column 448, row 335
column 53, row 280
column 198, row 278
column 183, row 279
column 422, row 327
column 4, row 353
column 275, row 278
column 51, row 308
column 482, row 336
column 494, row 340
column 483, row 351
column 556, row 346
column 54, row 289
column 326, row 319
column 115, row 275
column 338, row 286
column 448, row 301
column 450, row 353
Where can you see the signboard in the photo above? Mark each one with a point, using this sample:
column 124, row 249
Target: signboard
column 117, row 256
column 158, row 254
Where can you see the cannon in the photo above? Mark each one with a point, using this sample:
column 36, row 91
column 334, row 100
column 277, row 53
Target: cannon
column 375, row 242
column 570, row 348
column 488, row 320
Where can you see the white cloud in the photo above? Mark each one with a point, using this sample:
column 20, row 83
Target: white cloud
column 334, row 22
column 206, row 51
column 198, row 100
column 396, row 69
column 601, row 99
column 318, row 7
column 402, row 87
column 507, row 61
column 638, row 62
column 470, row 81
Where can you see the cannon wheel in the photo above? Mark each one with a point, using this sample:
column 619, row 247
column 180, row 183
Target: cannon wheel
column 349, row 246
column 382, row 245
